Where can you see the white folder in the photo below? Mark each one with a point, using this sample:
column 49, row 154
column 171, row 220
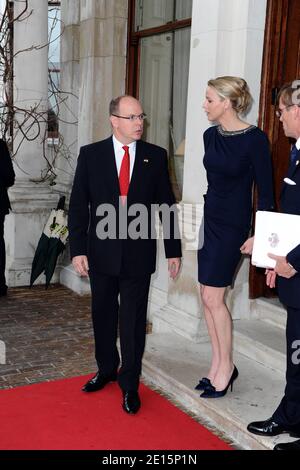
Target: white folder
column 275, row 233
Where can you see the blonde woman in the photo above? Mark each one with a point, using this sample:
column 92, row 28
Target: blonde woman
column 236, row 155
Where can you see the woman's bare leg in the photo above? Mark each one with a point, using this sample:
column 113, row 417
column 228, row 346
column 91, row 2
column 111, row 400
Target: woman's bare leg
column 213, row 300
column 215, row 360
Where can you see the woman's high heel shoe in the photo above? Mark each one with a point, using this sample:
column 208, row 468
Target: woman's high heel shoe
column 211, row 392
column 203, row 384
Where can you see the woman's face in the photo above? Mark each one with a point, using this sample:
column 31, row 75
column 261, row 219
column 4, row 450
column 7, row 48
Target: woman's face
column 214, row 106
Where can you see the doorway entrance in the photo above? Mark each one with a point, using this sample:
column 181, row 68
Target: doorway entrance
column 281, row 64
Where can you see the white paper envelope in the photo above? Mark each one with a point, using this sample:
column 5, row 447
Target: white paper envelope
column 274, row 233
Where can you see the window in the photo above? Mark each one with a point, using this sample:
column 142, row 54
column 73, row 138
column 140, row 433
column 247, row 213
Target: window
column 153, row 13
column 159, row 50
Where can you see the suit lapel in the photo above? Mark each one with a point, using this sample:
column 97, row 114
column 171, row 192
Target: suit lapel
column 293, row 168
column 137, row 169
column 110, row 168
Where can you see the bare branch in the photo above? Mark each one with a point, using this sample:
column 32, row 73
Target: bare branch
column 26, row 124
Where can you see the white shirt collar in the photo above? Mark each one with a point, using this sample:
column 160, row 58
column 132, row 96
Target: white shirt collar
column 298, row 144
column 119, row 145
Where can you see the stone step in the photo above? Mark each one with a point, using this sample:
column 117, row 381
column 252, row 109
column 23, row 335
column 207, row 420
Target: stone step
column 270, row 311
column 174, row 364
column 261, row 341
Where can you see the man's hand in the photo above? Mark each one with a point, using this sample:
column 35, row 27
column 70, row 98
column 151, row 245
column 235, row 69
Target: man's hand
column 270, row 278
column 174, row 266
column 282, row 267
column 81, row 265
column 247, row 247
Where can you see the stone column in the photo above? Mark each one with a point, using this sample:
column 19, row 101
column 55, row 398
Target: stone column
column 227, row 39
column 31, row 199
column 103, row 40
column 30, row 83
column 69, row 97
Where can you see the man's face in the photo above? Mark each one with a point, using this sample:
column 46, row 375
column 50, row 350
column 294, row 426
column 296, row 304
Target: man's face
column 125, row 130
column 288, row 118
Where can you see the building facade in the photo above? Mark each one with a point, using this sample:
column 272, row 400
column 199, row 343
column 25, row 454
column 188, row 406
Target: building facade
column 164, row 52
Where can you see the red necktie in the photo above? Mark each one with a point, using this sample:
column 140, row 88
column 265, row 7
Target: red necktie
column 124, row 173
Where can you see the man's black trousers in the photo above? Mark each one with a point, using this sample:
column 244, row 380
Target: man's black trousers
column 120, row 300
column 288, row 412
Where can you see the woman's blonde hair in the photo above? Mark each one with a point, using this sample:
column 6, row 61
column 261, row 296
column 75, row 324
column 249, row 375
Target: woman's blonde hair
column 236, row 90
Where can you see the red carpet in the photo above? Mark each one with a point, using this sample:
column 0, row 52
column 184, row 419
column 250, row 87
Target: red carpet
column 58, row 416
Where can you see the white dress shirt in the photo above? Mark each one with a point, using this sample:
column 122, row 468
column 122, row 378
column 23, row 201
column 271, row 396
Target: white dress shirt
column 119, row 154
column 298, row 144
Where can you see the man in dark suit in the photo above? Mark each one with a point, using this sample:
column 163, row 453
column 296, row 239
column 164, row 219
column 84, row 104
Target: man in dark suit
column 286, row 418
column 7, row 179
column 120, row 176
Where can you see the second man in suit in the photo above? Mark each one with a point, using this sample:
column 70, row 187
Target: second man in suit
column 286, row 417
column 120, row 173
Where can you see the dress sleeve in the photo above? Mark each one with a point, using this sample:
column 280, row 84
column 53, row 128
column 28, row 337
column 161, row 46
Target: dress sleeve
column 206, row 136
column 263, row 173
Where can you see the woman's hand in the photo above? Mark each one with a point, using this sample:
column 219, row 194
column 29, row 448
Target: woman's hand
column 247, row 247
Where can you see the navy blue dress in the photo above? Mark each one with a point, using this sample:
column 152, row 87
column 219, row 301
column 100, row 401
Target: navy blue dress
column 233, row 161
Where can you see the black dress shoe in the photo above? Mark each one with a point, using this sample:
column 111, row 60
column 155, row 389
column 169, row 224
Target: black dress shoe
column 266, row 428
column 211, row 392
column 131, row 401
column 98, row 382
column 288, row 445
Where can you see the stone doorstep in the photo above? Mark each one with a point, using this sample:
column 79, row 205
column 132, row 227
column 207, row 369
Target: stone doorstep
column 174, row 364
column 261, row 341
column 270, row 311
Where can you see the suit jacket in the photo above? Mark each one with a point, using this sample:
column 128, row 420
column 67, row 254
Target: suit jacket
column 289, row 289
column 7, row 177
column 96, row 183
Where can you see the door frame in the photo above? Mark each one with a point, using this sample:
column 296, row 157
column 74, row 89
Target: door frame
column 273, row 76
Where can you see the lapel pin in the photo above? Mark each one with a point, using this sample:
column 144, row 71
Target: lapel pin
column 146, row 160
column 297, row 162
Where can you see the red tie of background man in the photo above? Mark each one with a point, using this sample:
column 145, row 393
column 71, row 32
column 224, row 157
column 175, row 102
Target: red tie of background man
column 124, row 173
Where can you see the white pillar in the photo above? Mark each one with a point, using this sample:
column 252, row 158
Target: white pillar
column 30, row 83
column 31, row 200
column 69, row 97
column 227, row 39
column 103, row 41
